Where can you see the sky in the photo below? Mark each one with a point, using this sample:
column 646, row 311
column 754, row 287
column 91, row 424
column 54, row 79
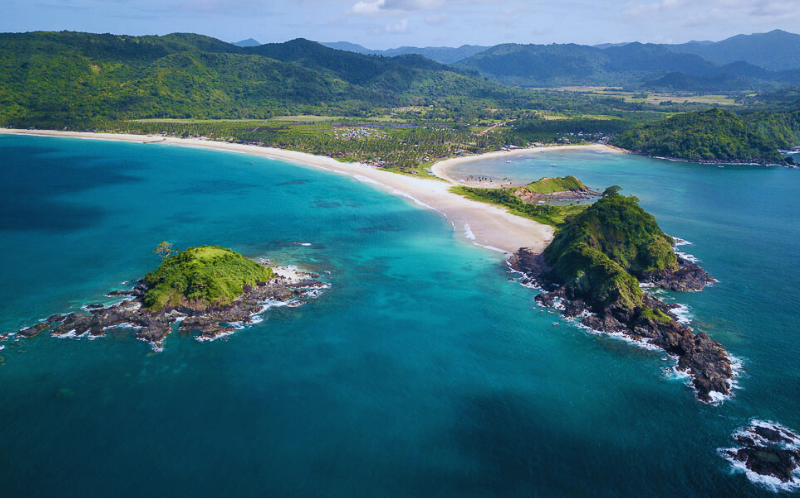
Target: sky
column 381, row 24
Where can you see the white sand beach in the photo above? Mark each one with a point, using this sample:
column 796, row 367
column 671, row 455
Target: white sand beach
column 484, row 225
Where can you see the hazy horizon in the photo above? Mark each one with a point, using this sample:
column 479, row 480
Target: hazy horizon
column 382, row 24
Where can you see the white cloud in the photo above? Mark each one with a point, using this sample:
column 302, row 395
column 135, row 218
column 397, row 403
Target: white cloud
column 368, row 7
column 375, row 7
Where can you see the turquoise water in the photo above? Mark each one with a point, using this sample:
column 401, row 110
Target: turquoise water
column 421, row 372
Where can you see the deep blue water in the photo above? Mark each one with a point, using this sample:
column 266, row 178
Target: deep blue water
column 421, row 372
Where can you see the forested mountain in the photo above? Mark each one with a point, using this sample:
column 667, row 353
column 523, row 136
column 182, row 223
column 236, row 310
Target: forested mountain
column 80, row 76
column 745, row 62
column 445, row 55
column 250, row 42
column 717, row 135
column 632, row 64
column 351, row 67
column 775, row 51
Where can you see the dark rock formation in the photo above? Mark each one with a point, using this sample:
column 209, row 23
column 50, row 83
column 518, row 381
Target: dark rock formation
column 705, row 360
column 768, row 450
column 689, row 277
column 33, row 331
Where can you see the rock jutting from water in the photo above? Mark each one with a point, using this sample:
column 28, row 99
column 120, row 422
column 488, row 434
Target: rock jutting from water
column 231, row 293
column 704, row 360
column 769, row 453
column 593, row 268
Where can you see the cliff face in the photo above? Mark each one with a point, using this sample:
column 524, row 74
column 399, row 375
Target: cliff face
column 593, row 269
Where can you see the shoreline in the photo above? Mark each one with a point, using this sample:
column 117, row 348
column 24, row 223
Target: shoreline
column 439, row 169
column 481, row 224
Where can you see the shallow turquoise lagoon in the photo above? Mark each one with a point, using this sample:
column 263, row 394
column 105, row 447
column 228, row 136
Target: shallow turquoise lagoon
column 423, row 371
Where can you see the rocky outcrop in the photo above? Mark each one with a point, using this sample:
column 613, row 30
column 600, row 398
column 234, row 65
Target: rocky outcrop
column 769, row 451
column 153, row 327
column 689, row 277
column 705, row 360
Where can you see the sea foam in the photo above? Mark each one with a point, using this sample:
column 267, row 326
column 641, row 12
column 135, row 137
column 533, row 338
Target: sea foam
column 791, row 441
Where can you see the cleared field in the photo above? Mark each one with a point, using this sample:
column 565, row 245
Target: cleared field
column 654, row 98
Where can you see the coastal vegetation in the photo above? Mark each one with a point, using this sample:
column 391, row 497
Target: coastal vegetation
column 382, row 143
column 511, row 198
column 202, row 277
column 717, row 135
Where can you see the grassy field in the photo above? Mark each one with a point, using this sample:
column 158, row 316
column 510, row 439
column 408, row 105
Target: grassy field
column 554, row 116
column 654, row 98
column 552, row 215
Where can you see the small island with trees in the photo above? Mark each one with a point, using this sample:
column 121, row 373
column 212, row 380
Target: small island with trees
column 593, row 270
column 207, row 289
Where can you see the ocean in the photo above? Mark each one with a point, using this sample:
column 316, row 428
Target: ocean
column 421, row 372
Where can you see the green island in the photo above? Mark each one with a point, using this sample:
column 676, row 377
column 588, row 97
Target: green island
column 593, row 269
column 523, row 201
column 208, row 290
column 202, row 277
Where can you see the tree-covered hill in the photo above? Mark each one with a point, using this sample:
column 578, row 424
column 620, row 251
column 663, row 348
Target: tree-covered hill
column 716, row 135
column 80, row 76
column 444, row 55
column 202, row 277
column 606, row 249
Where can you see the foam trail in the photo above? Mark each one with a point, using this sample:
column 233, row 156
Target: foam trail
column 789, row 440
column 683, row 313
column 468, row 232
column 679, row 242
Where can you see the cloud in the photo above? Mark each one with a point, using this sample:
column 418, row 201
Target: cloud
column 376, row 7
column 399, row 27
column 368, row 7
column 413, row 5
column 693, row 13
